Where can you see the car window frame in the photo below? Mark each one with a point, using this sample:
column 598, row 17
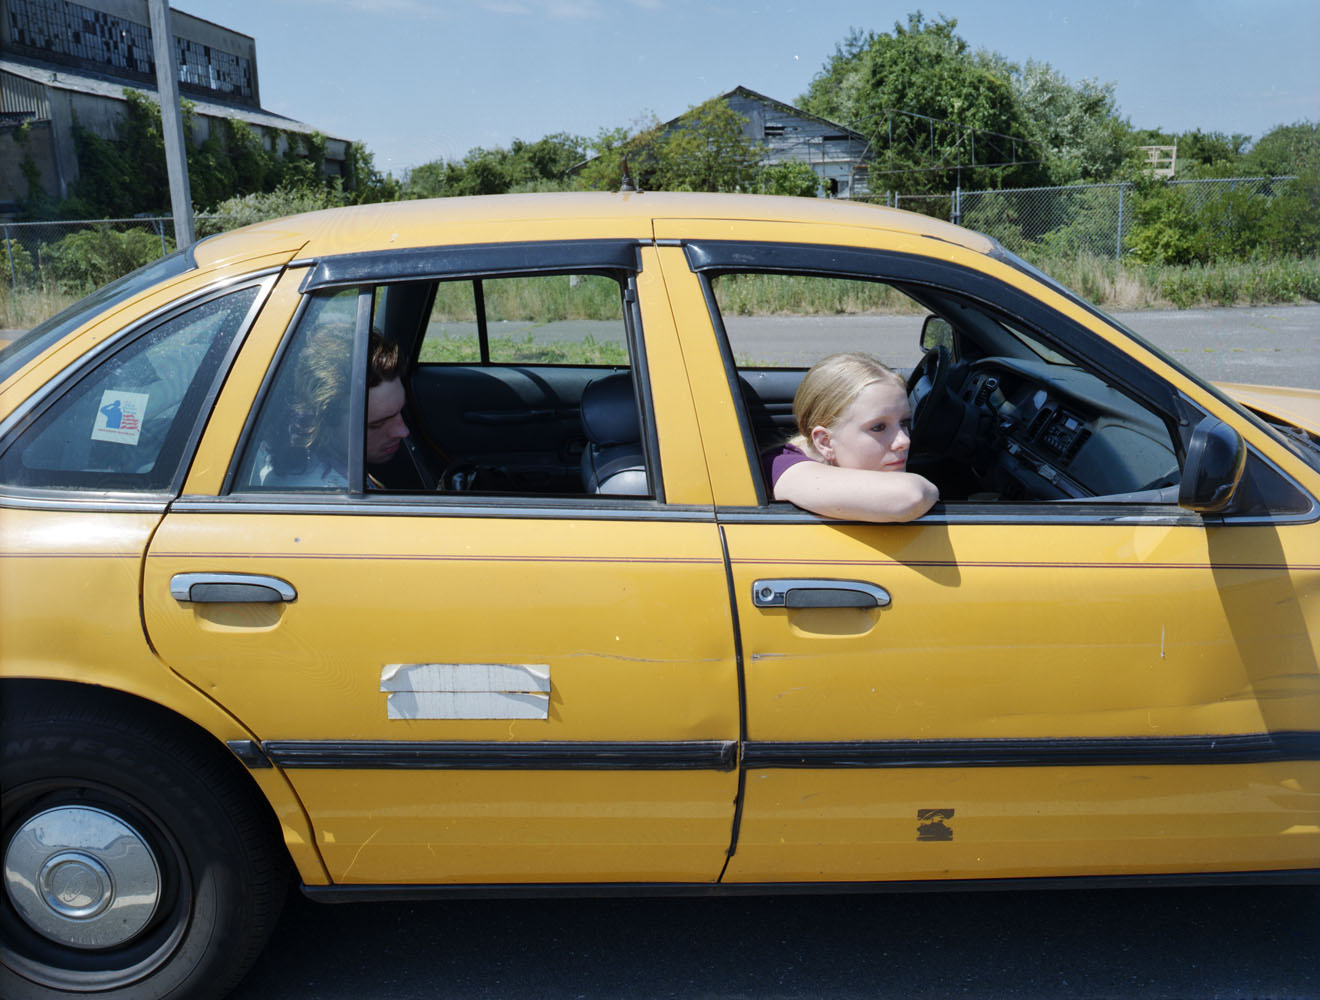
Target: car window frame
column 913, row 273
column 371, row 271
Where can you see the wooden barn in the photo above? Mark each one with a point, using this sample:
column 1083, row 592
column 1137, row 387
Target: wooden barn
column 839, row 155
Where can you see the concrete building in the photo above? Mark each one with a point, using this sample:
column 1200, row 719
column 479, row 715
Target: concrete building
column 62, row 61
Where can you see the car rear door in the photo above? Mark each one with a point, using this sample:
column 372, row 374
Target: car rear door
column 489, row 688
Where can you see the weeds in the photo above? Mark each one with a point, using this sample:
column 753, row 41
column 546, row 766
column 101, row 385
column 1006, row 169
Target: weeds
column 25, row 308
column 524, row 350
column 1111, row 284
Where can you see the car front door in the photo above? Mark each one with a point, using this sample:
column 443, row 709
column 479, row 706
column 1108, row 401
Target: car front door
column 1006, row 689
column 465, row 686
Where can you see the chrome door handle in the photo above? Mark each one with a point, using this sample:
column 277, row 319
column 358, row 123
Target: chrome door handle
column 818, row 594
column 230, row 588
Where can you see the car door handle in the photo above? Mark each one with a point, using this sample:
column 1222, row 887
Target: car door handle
column 230, row 588
column 818, row 594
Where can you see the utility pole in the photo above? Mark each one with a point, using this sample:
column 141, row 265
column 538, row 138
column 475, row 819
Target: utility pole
column 171, row 121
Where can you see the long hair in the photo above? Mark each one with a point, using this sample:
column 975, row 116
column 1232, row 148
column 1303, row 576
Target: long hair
column 830, row 387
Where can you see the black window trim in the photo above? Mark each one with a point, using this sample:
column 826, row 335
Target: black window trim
column 711, row 258
column 474, row 260
column 619, row 259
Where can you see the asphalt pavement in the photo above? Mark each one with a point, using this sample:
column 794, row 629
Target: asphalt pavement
column 1274, row 345
column 1152, row 944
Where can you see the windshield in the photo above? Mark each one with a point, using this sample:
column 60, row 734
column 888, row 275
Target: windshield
column 1294, row 439
column 26, row 347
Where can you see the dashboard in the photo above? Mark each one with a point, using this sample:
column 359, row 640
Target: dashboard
column 1055, row 432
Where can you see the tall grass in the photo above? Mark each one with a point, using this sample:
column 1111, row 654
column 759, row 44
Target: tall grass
column 26, row 307
column 543, row 298
column 524, row 351
column 1111, row 284
column 793, row 295
column 1115, row 284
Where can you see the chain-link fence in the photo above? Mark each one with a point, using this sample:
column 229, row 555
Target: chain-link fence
column 83, row 253
column 1095, row 219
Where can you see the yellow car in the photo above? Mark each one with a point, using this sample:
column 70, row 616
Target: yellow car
column 535, row 624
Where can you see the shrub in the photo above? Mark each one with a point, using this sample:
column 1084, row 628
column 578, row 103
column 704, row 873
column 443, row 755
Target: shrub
column 259, row 207
column 90, row 258
column 791, row 178
column 16, row 268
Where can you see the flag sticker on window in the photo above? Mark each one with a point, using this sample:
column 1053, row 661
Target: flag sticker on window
column 119, row 417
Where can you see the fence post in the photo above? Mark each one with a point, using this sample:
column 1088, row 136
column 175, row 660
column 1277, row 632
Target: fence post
column 1118, row 247
column 957, row 205
column 9, row 250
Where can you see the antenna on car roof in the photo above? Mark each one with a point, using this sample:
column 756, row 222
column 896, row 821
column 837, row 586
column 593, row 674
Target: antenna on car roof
column 627, row 185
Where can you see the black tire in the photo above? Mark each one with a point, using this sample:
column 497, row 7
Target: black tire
column 220, row 876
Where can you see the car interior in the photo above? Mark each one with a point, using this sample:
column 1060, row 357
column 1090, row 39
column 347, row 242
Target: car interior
column 500, row 404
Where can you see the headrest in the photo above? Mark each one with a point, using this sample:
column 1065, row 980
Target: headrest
column 609, row 410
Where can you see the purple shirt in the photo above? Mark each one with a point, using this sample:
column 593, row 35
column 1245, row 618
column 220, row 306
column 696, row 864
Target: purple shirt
column 775, row 461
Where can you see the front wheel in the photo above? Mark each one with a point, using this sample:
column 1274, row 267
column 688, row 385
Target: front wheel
column 136, row 864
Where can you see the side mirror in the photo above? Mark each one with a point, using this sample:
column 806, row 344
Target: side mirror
column 1216, row 457
column 937, row 332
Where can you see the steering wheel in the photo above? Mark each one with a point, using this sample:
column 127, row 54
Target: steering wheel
column 927, row 386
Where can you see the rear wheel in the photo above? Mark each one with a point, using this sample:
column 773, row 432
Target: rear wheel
column 136, row 864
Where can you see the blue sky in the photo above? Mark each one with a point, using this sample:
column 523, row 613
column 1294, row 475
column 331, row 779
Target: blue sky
column 419, row 80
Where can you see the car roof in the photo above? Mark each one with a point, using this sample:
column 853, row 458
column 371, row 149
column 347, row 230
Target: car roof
column 402, row 224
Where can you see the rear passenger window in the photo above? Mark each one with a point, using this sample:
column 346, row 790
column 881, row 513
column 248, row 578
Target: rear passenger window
column 302, row 439
column 558, row 319
column 126, row 425
column 519, row 385
column 524, row 385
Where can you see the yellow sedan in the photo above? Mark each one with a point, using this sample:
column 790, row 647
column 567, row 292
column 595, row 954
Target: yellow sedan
column 427, row 548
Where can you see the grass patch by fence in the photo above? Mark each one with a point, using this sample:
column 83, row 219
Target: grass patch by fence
column 523, row 350
column 1123, row 285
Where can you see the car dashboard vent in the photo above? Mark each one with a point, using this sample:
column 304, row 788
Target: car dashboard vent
column 1038, row 423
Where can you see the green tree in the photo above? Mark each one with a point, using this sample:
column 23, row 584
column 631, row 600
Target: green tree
column 707, row 150
column 1291, row 225
column 90, row 258
column 612, row 149
column 259, row 206
column 929, row 103
column 524, row 165
column 1076, row 128
column 793, row 177
column 1197, row 149
column 936, row 113
column 1285, row 149
column 836, row 92
column 363, row 182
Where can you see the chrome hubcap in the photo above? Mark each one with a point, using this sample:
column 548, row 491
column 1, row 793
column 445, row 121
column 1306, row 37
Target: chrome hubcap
column 82, row 877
